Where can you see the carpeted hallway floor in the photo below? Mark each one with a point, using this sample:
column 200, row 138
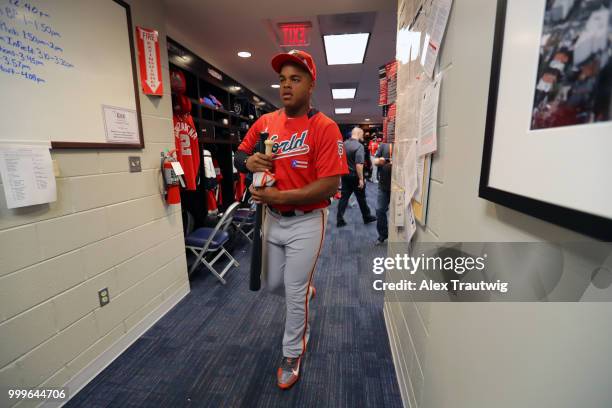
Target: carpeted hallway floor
column 221, row 345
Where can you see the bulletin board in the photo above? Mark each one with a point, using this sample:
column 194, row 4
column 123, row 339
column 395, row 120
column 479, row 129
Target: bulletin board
column 421, row 27
column 68, row 74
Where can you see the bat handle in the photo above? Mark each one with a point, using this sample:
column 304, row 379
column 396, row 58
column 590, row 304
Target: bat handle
column 269, row 144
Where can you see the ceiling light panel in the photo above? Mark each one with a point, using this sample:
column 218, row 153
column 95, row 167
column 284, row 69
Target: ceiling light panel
column 343, row 111
column 346, row 48
column 346, row 93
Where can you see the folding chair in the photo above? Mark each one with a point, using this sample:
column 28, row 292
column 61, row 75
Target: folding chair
column 244, row 222
column 203, row 241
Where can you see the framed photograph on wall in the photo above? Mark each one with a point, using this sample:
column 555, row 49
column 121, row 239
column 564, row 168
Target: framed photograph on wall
column 548, row 136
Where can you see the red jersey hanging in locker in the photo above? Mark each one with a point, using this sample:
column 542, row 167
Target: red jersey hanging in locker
column 149, row 61
column 186, row 140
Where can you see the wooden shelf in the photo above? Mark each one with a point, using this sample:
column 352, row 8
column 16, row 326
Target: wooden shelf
column 221, row 125
column 218, row 141
column 221, row 110
column 212, row 122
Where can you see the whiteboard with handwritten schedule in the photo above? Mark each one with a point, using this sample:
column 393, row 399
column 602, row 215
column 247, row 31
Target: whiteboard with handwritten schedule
column 62, row 64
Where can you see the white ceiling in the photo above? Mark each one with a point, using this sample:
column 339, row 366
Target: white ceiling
column 217, row 30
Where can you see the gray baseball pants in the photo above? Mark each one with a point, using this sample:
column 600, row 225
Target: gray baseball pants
column 291, row 248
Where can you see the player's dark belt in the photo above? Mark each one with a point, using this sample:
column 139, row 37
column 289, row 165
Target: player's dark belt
column 291, row 213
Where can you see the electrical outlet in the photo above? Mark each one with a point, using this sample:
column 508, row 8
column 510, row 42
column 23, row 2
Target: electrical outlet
column 104, row 297
column 134, row 162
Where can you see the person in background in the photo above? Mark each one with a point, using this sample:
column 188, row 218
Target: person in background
column 367, row 159
column 373, row 147
column 383, row 162
column 368, row 164
column 354, row 181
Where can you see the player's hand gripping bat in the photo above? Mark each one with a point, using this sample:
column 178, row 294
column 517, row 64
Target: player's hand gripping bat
column 264, row 146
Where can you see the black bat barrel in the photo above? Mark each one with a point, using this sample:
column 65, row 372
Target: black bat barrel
column 256, row 254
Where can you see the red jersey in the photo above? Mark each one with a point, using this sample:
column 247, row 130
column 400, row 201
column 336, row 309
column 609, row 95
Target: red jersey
column 305, row 149
column 373, row 147
column 187, row 150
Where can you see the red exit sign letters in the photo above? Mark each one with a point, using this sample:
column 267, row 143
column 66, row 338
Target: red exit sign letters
column 295, row 34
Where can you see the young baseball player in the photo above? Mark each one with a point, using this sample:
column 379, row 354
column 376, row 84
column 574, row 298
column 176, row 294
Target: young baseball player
column 307, row 161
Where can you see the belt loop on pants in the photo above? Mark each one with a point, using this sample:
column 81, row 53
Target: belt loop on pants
column 291, row 213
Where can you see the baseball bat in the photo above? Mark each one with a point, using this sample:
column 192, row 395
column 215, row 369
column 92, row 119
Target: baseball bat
column 256, row 254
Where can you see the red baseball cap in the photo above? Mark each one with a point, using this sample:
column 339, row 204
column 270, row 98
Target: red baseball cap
column 297, row 56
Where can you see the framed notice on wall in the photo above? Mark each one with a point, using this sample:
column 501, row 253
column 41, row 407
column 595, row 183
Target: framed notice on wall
column 548, row 134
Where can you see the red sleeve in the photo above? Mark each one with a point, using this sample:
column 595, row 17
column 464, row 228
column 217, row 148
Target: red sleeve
column 252, row 136
column 195, row 147
column 177, row 138
column 330, row 159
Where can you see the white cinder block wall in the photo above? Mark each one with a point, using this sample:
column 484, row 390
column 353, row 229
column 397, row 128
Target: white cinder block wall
column 484, row 355
column 108, row 228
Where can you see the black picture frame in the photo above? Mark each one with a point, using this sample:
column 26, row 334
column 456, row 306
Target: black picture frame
column 582, row 222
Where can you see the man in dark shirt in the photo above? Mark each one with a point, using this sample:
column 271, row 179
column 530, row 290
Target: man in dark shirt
column 354, row 182
column 367, row 162
column 383, row 162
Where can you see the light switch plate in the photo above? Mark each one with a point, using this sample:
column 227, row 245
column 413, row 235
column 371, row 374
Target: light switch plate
column 134, row 162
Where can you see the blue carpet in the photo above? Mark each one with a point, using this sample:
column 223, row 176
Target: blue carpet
column 221, row 345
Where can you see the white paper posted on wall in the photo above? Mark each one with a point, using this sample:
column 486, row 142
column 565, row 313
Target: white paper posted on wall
column 418, row 194
column 407, row 150
column 400, row 207
column 410, row 229
column 27, row 175
column 436, row 25
column 428, row 118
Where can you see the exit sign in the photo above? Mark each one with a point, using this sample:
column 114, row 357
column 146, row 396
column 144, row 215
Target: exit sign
column 295, row 34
